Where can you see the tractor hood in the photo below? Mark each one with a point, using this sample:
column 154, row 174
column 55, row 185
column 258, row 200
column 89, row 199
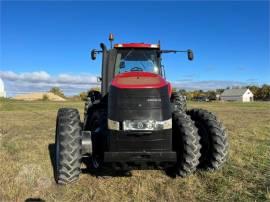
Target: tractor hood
column 139, row 96
column 139, row 80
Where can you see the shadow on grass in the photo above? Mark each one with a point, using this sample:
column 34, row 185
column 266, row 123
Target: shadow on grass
column 105, row 172
column 34, row 200
column 108, row 170
column 88, row 168
column 51, row 148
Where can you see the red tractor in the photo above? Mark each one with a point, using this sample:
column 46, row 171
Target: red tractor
column 137, row 121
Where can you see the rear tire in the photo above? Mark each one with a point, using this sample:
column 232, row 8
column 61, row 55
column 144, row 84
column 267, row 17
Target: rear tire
column 92, row 101
column 185, row 143
column 214, row 139
column 68, row 146
column 87, row 105
column 178, row 102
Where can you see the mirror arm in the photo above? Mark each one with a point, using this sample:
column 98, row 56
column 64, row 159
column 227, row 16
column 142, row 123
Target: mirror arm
column 173, row 51
column 98, row 51
column 189, row 52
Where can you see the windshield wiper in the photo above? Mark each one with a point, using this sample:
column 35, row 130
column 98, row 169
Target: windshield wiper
column 129, row 52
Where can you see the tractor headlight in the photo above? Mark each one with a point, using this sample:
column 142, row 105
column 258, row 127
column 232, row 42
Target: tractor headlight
column 147, row 124
column 113, row 125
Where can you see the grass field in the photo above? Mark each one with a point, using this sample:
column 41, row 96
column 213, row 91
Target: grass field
column 27, row 134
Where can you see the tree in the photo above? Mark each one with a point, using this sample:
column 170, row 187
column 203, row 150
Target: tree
column 182, row 91
column 265, row 92
column 211, row 95
column 197, row 94
column 45, row 97
column 219, row 90
column 83, row 96
column 174, row 89
column 260, row 93
column 256, row 91
column 95, row 89
column 57, row 91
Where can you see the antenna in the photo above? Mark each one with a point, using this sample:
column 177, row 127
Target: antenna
column 111, row 38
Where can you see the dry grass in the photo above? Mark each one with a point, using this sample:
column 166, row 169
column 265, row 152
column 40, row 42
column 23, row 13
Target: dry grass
column 27, row 130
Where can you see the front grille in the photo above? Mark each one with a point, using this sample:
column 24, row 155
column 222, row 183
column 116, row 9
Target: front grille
column 139, row 104
column 140, row 141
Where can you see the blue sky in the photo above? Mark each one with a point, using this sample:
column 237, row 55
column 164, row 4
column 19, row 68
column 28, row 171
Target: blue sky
column 48, row 43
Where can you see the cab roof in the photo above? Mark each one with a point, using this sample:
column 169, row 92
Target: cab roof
column 136, row 45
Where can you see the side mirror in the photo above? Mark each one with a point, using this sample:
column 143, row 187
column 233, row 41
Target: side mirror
column 93, row 54
column 190, row 54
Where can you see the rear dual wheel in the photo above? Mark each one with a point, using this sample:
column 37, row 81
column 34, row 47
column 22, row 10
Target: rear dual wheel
column 200, row 140
column 213, row 138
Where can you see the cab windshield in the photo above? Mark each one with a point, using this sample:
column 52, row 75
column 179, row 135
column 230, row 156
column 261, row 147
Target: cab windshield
column 129, row 60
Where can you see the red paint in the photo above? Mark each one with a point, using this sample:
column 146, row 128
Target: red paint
column 140, row 80
column 135, row 45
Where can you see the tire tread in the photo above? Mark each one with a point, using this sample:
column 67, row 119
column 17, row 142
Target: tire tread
column 217, row 137
column 69, row 131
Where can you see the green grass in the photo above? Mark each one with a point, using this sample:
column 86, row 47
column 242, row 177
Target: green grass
column 27, row 129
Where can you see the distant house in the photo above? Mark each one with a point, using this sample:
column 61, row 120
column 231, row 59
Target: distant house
column 241, row 94
column 2, row 89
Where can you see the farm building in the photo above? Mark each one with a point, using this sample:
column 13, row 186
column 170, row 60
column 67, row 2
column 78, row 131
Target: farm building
column 241, row 94
column 2, row 89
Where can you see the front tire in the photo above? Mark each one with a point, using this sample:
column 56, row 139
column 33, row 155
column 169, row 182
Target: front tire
column 185, row 143
column 68, row 146
column 214, row 139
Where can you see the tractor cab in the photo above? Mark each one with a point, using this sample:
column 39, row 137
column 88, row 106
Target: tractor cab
column 128, row 57
column 134, row 57
column 131, row 57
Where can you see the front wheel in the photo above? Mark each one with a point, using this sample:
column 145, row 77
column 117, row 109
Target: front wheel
column 67, row 146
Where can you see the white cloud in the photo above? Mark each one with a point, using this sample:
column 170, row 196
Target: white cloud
column 206, row 84
column 27, row 76
column 76, row 79
column 44, row 77
column 17, row 83
column 35, row 77
column 41, row 81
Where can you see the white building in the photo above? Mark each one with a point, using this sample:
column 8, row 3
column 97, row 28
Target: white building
column 2, row 89
column 241, row 94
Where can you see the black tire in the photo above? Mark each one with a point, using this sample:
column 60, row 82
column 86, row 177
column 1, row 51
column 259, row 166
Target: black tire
column 178, row 102
column 67, row 146
column 214, row 139
column 87, row 105
column 185, row 143
column 93, row 98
